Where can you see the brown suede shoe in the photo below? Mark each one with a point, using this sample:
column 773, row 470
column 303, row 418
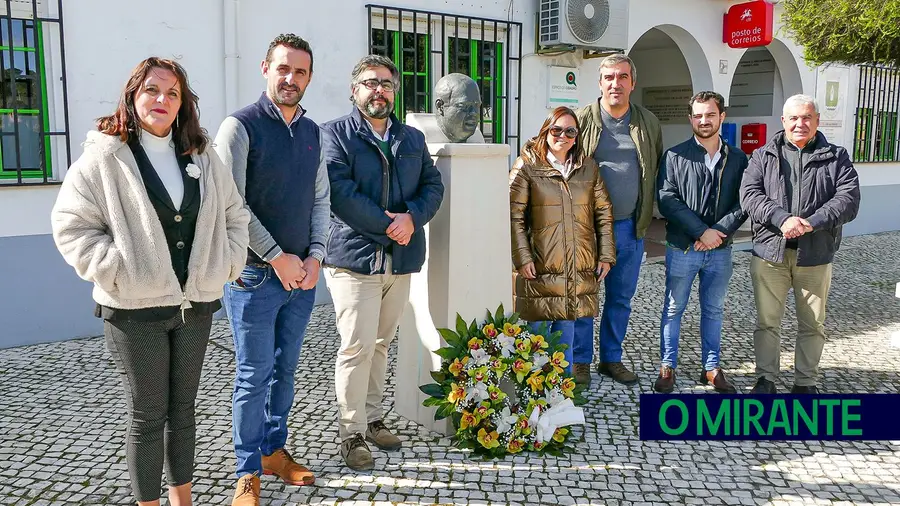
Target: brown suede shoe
column 281, row 464
column 582, row 374
column 378, row 434
column 618, row 372
column 247, row 491
column 717, row 378
column 665, row 382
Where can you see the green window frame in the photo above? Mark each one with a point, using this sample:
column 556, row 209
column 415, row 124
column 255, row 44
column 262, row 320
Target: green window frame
column 862, row 133
column 27, row 99
column 413, row 62
column 886, row 136
column 486, row 68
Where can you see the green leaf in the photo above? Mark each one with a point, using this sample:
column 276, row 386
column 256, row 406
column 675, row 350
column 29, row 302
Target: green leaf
column 443, row 411
column 498, row 316
column 447, row 353
column 461, row 328
column 438, row 376
column 579, row 400
column 489, row 319
column 450, row 337
column 433, row 390
column 456, row 418
column 473, row 328
column 513, row 318
column 432, row 402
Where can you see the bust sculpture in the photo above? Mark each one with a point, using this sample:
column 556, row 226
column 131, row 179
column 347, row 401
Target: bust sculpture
column 457, row 106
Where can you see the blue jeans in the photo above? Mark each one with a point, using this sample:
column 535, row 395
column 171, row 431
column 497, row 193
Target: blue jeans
column 714, row 268
column 268, row 324
column 573, row 332
column 620, row 284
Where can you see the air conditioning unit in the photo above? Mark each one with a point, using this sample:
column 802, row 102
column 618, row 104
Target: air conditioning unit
column 588, row 24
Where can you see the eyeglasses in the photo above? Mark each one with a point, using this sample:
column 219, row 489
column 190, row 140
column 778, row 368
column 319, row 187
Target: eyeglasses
column 558, row 131
column 373, row 84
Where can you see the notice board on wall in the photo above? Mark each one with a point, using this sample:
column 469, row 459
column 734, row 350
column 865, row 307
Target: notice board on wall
column 753, row 85
column 668, row 103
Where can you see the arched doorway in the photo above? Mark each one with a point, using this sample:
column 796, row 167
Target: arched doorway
column 763, row 79
column 671, row 67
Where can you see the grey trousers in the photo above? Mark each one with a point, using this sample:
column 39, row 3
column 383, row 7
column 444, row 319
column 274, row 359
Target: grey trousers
column 159, row 364
column 771, row 283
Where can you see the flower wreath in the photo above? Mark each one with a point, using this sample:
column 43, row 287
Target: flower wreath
column 504, row 387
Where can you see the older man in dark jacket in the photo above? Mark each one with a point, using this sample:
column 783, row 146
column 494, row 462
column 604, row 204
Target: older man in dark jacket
column 385, row 188
column 799, row 190
column 699, row 181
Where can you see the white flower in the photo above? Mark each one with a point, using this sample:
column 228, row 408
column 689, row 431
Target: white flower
column 478, row 393
column 193, row 171
column 554, row 397
column 540, row 360
column 507, row 345
column 480, row 357
column 506, row 420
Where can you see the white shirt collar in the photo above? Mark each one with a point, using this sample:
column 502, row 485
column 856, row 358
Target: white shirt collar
column 710, row 161
column 387, row 131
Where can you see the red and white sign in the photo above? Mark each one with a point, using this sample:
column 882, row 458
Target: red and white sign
column 749, row 24
column 753, row 136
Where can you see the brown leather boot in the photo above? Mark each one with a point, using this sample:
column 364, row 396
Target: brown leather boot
column 665, row 382
column 717, row 378
column 618, row 372
column 281, row 464
column 582, row 374
column 247, row 491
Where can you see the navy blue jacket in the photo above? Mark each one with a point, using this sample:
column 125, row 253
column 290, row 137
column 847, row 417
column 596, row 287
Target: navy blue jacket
column 829, row 198
column 692, row 199
column 364, row 185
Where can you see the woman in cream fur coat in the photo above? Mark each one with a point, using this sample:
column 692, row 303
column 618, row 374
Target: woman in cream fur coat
column 152, row 217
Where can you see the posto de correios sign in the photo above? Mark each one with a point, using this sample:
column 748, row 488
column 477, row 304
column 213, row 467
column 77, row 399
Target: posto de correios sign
column 748, row 24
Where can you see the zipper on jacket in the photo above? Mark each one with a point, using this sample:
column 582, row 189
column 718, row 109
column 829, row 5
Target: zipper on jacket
column 380, row 259
column 185, row 304
column 719, row 189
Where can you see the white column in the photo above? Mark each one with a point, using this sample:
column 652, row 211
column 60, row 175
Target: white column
column 468, row 267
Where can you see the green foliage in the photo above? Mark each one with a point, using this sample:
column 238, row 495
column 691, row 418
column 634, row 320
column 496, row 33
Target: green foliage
column 845, row 31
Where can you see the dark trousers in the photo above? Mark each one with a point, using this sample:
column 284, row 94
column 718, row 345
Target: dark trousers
column 159, row 364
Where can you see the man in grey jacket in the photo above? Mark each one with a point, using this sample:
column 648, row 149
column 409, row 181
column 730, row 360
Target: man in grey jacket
column 799, row 190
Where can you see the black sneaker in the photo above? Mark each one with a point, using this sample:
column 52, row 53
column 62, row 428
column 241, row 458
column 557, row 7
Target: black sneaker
column 811, row 389
column 764, row 386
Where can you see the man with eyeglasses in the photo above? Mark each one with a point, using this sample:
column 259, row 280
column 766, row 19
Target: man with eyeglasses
column 275, row 153
column 699, row 182
column 625, row 139
column 384, row 189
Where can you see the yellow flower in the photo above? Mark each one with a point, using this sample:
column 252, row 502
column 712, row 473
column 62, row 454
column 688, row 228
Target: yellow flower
column 475, row 343
column 537, row 445
column 559, row 362
column 499, row 367
column 484, row 410
column 515, row 446
column 552, row 378
column 467, row 420
column 457, row 367
column 489, row 331
column 488, row 439
column 560, row 435
column 568, row 387
column 511, row 330
column 522, row 426
column 536, row 382
column 457, row 393
column 521, row 368
column 538, row 343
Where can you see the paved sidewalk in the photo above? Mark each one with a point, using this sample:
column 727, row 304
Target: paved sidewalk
column 61, row 416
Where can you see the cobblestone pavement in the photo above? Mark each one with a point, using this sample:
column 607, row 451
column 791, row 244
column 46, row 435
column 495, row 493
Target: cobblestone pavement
column 61, row 416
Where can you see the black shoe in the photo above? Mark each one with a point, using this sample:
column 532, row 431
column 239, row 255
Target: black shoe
column 764, row 386
column 811, row 389
column 665, row 382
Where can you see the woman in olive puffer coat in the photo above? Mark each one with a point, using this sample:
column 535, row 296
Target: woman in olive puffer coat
column 562, row 233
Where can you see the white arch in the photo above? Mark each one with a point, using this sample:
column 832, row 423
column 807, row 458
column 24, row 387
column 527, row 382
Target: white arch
column 786, row 61
column 694, row 56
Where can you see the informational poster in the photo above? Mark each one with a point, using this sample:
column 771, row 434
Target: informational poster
column 668, row 103
column 753, row 85
column 562, row 87
column 832, row 87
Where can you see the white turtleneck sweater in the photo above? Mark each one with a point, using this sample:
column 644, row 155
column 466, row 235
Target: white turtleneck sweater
column 161, row 152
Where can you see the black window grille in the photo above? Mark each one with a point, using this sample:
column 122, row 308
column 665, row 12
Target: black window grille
column 34, row 121
column 428, row 45
column 876, row 136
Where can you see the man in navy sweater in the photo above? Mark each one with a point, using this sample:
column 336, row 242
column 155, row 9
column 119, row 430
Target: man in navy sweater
column 385, row 188
column 276, row 157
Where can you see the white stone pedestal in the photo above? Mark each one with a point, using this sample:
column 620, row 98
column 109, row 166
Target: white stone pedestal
column 895, row 337
column 468, row 267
